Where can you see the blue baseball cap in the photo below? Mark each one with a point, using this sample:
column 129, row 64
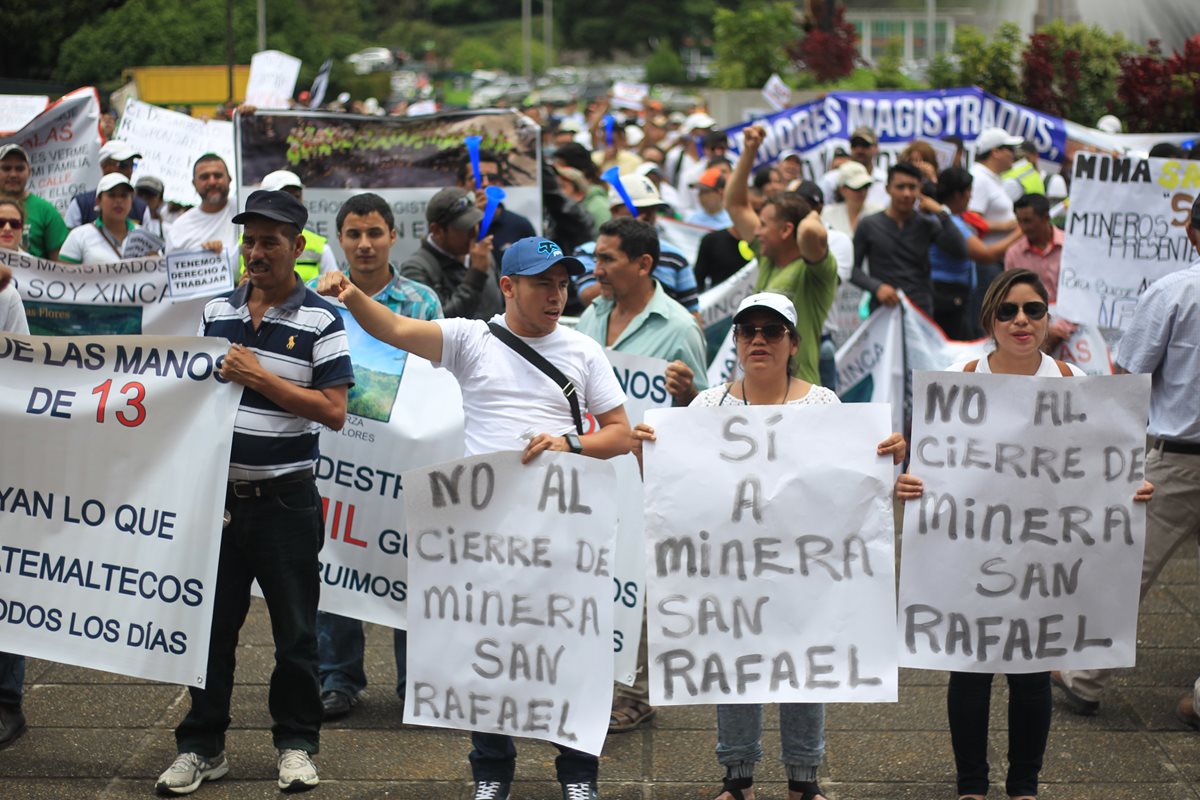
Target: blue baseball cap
column 534, row 255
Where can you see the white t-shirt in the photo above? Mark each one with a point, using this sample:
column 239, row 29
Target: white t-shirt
column 721, row 396
column 12, row 313
column 1048, row 369
column 89, row 244
column 195, row 227
column 989, row 199
column 504, row 396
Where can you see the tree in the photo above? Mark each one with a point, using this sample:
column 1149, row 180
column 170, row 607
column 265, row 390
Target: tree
column 829, row 50
column 1160, row 94
column 34, row 33
column 751, row 43
column 989, row 65
column 1072, row 71
column 664, row 66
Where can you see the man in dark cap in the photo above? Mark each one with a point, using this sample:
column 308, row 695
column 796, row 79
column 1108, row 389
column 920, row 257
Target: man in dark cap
column 452, row 262
column 273, row 526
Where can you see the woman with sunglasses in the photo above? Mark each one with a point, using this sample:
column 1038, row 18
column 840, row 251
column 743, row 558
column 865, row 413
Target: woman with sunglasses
column 12, row 313
column 765, row 334
column 1015, row 313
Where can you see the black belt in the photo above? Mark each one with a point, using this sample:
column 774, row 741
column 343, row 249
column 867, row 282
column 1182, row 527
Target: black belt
column 1173, row 446
column 268, row 487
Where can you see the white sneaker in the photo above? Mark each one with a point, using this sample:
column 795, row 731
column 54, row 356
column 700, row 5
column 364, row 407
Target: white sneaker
column 188, row 771
column 297, row 772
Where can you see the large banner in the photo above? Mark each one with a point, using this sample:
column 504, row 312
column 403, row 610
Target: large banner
column 170, row 143
column 109, row 545
column 511, row 584
column 1025, row 552
column 63, row 143
column 898, row 117
column 770, row 557
column 1126, row 228
column 404, row 160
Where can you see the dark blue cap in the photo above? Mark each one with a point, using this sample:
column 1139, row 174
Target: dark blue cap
column 534, row 255
column 279, row 206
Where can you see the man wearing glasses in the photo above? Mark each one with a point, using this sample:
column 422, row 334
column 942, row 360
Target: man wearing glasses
column 507, row 226
column 452, row 262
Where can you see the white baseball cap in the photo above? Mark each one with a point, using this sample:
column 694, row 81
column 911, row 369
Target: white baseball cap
column 117, row 150
column 772, row 301
column 853, row 175
column 697, row 121
column 1109, row 124
column 642, row 192
column 991, row 138
column 111, row 181
column 280, row 179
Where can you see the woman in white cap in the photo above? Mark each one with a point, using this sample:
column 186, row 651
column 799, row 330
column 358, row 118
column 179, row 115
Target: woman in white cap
column 765, row 333
column 104, row 239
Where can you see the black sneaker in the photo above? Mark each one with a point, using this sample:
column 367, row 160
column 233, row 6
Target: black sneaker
column 491, row 790
column 335, row 704
column 12, row 724
column 580, row 791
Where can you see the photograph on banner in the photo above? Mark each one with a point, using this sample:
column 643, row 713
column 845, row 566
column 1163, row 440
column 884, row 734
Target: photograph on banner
column 111, row 558
column 511, row 624
column 771, row 580
column 414, row 418
column 645, row 386
column 404, row 160
column 1126, row 227
column 1024, row 553
column 118, row 298
column 63, row 145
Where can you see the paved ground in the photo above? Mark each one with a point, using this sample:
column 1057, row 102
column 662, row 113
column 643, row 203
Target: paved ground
column 95, row 735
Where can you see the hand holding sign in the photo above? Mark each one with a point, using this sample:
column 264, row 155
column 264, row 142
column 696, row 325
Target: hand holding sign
column 495, row 196
column 612, row 176
column 472, row 143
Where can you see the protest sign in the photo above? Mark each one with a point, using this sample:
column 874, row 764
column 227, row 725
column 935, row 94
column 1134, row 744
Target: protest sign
column 511, row 585
column 119, row 298
column 626, row 94
column 1126, row 228
column 771, row 578
column 109, row 560
column 717, row 307
column 201, row 273
column 814, row 128
column 1025, row 552
column 170, row 143
column 405, row 161
column 17, row 110
column 645, row 386
column 777, row 93
column 272, row 79
column 63, row 144
column 141, row 243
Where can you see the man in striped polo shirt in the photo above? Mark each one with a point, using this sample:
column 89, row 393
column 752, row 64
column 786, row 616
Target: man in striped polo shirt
column 288, row 349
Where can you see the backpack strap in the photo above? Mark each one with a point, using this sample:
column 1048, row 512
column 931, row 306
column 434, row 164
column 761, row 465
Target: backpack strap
column 1063, row 368
column 971, row 366
column 538, row 360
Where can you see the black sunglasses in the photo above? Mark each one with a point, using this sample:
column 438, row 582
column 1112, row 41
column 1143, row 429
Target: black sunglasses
column 772, row 333
column 15, row 224
column 1034, row 310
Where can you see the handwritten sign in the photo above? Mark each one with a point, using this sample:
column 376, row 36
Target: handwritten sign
column 777, row 93
column 1025, row 552
column 16, row 110
column 63, row 144
column 627, row 94
column 510, row 587
column 769, row 542
column 108, row 558
column 272, row 79
column 201, row 273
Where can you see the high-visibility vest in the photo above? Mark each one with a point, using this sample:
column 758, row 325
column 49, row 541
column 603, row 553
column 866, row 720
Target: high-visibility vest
column 309, row 262
column 1029, row 178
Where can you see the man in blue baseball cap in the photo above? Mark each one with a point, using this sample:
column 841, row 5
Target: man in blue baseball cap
column 504, row 396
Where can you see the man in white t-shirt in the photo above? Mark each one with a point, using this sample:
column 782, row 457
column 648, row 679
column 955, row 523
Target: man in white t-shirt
column 208, row 226
column 506, row 399
column 995, row 152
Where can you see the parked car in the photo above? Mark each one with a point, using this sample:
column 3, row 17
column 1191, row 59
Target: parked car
column 372, row 59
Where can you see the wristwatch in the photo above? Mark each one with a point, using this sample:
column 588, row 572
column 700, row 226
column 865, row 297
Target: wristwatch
column 573, row 443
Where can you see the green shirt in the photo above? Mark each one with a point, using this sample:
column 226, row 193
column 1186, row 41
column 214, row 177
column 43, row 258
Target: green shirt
column 45, row 230
column 811, row 288
column 664, row 329
column 595, row 202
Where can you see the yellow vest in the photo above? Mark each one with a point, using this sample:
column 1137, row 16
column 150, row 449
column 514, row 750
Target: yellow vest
column 1029, row 178
column 309, row 262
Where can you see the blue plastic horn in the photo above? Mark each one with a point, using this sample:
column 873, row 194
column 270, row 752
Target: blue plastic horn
column 612, row 176
column 495, row 196
column 472, row 143
column 608, row 129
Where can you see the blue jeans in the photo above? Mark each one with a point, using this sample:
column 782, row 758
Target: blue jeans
column 494, row 758
column 275, row 539
column 801, row 734
column 12, row 679
column 340, row 644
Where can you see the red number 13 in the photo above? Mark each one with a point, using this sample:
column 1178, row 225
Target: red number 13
column 134, row 394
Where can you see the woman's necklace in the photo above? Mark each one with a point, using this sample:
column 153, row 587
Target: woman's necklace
column 786, row 391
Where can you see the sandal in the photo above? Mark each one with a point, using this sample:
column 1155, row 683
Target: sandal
column 809, row 790
column 628, row 714
column 734, row 786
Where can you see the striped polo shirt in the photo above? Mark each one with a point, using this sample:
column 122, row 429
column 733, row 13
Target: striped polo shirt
column 302, row 341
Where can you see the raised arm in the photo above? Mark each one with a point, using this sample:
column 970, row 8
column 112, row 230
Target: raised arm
column 737, row 194
column 419, row 337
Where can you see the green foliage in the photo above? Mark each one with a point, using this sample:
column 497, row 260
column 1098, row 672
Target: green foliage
column 475, row 53
column 34, row 32
column 989, row 65
column 664, row 65
column 1085, row 62
column 942, row 72
column 751, row 43
column 888, row 74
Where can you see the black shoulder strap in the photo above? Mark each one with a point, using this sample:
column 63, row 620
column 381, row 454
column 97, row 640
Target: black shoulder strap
column 538, row 360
